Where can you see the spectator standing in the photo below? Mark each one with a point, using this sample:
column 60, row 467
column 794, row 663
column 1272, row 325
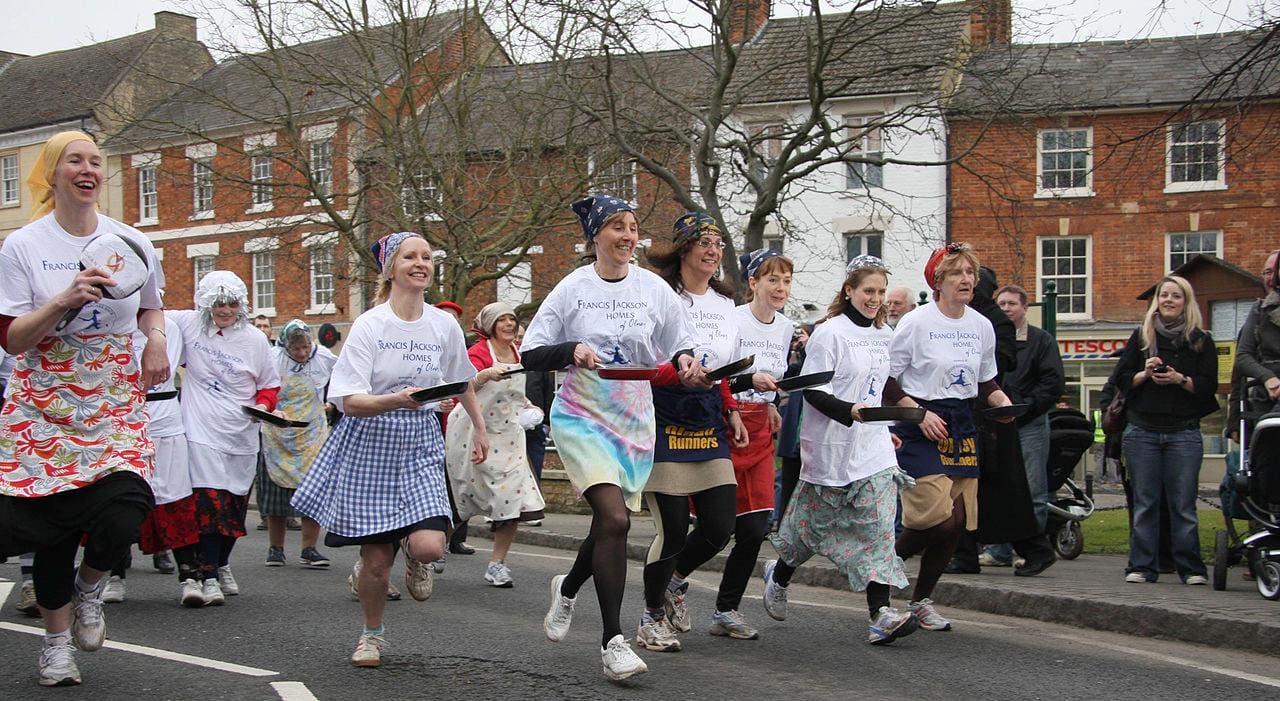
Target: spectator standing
column 897, row 303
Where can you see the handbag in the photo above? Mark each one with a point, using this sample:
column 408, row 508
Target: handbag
column 1114, row 419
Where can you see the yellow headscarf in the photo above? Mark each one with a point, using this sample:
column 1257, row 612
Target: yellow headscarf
column 40, row 179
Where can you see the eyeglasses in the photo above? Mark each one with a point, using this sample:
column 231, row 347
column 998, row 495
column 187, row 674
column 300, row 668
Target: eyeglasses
column 708, row 243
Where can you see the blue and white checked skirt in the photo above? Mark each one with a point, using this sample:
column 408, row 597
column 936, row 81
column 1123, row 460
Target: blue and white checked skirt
column 376, row 474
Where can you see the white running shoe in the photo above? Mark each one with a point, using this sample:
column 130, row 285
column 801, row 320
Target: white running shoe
column 499, row 575
column 556, row 623
column 673, row 604
column 212, row 593
column 732, row 624
column 227, row 581
column 927, row 615
column 369, row 651
column 620, row 661
column 890, row 624
column 775, row 595
column 657, row 636
column 192, row 595
column 89, row 627
column 113, row 593
column 58, row 665
column 417, row 577
column 27, row 599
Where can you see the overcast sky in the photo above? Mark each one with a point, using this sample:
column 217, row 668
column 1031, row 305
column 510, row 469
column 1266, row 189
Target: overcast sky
column 33, row 27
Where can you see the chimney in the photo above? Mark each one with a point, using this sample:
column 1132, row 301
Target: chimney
column 990, row 22
column 745, row 18
column 176, row 26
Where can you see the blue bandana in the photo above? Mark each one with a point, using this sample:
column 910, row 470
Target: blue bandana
column 751, row 262
column 692, row 226
column 594, row 209
column 865, row 262
column 384, row 249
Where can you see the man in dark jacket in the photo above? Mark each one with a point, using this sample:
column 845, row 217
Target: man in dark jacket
column 1005, row 512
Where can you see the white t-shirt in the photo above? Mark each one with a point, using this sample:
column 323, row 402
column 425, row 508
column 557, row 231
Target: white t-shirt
column 39, row 261
column 937, row 357
column 224, row 373
column 638, row 321
column 770, row 343
column 385, row 354
column 317, row 369
column 165, row 415
column 715, row 330
column 832, row 454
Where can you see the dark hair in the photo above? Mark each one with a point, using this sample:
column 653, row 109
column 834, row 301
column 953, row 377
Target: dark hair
column 667, row 266
column 260, row 316
column 1015, row 290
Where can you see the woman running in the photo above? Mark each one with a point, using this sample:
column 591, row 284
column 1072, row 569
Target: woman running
column 942, row 355
column 74, row 447
column 229, row 366
column 502, row 487
column 607, row 313
column 304, row 369
column 691, row 456
column 379, row 479
column 844, row 505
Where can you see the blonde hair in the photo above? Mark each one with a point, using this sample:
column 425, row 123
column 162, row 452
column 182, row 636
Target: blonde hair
column 841, row 303
column 1190, row 314
column 775, row 265
column 384, row 282
column 40, row 179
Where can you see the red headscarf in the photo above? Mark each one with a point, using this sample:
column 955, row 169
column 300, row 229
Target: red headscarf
column 932, row 266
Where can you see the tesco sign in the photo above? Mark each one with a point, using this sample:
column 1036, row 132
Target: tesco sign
column 1091, row 347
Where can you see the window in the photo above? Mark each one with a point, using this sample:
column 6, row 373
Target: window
column 261, row 179
column 264, row 282
column 1184, row 247
column 201, row 266
column 10, row 181
column 148, row 200
column 322, row 282
column 766, row 144
column 201, row 187
column 866, row 140
column 516, row 287
column 773, row 244
column 322, row 167
column 868, row 243
column 1065, row 164
column 420, row 196
column 1195, row 157
column 1065, row 261
column 618, row 178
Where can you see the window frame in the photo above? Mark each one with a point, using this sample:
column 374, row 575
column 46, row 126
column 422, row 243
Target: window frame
column 262, row 195
column 10, row 187
column 196, row 263
column 1041, row 279
column 319, row 306
column 201, row 180
column 856, row 173
column 1168, row 247
column 1062, row 192
column 327, row 170
column 256, row 265
column 865, row 236
column 148, row 200
column 411, row 195
column 1171, row 186
column 615, row 179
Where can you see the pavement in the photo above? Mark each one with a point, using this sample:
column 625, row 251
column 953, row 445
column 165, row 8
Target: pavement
column 1088, row 592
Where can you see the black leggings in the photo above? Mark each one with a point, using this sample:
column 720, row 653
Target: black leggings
column 748, row 535
column 935, row 545
column 54, row 567
column 603, row 556
column 790, row 477
column 671, row 518
column 201, row 559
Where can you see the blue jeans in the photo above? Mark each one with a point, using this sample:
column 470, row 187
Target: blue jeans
column 1035, row 460
column 1165, row 463
column 535, row 448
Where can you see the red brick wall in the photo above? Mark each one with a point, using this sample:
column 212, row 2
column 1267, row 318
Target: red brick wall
column 992, row 203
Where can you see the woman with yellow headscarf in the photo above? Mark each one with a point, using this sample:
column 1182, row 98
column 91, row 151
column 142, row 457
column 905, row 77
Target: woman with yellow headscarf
column 74, row 451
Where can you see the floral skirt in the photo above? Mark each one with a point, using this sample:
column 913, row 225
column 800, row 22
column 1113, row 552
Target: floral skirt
column 169, row 526
column 852, row 526
column 219, row 512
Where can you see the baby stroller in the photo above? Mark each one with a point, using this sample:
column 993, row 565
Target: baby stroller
column 1257, row 497
column 1070, row 437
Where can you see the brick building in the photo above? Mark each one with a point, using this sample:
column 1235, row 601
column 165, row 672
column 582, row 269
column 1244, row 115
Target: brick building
column 97, row 89
column 1102, row 166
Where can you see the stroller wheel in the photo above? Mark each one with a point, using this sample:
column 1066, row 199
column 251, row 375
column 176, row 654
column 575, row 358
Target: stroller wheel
column 1068, row 540
column 1268, row 573
column 1221, row 553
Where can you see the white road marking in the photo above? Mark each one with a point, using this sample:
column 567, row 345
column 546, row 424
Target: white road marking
column 6, row 587
column 293, row 691
column 161, row 654
column 1169, row 659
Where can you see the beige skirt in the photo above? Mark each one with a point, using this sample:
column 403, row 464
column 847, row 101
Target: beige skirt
column 684, row 478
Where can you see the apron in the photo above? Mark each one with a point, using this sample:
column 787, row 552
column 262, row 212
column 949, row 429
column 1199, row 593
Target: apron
column 502, row 487
column 288, row 452
column 74, row 415
column 954, row 456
